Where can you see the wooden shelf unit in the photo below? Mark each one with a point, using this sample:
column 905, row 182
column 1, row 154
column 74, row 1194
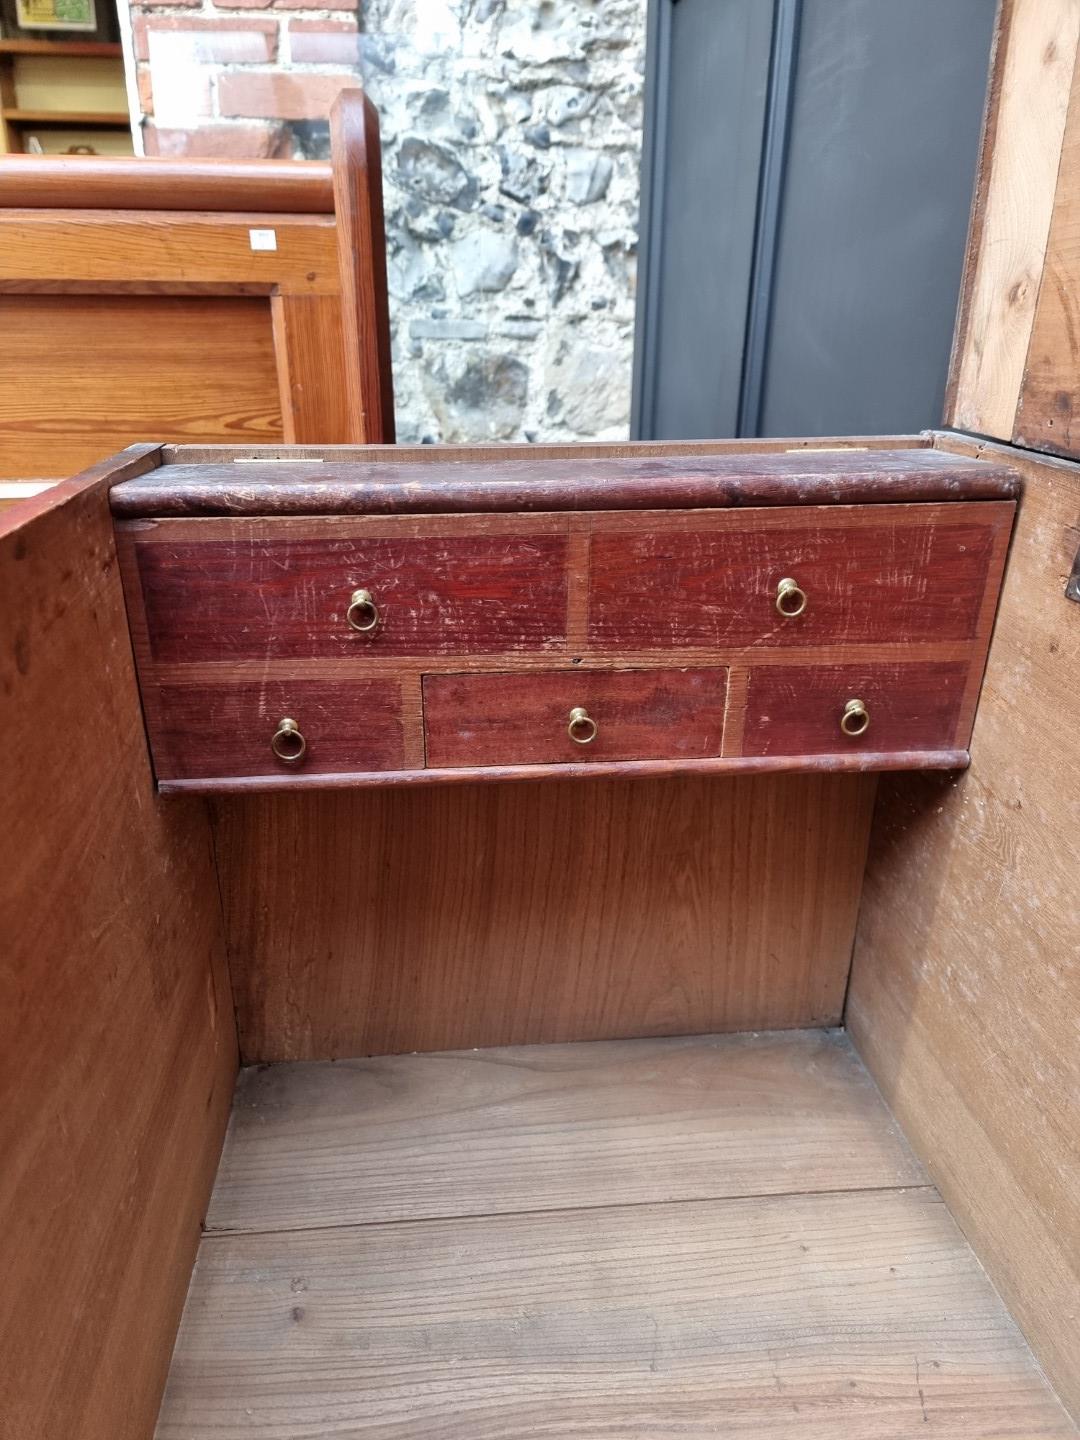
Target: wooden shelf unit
column 72, row 71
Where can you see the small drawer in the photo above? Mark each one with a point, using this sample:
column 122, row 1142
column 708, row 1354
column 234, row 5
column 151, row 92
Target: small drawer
column 800, row 710
column 573, row 716
column 340, row 594
column 200, row 731
column 794, row 577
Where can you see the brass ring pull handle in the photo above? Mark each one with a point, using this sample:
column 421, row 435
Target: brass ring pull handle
column 790, row 600
column 855, row 719
column 582, row 728
column 363, row 613
column 288, row 745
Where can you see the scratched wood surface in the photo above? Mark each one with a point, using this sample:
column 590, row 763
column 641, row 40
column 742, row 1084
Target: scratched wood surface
column 117, row 1043
column 965, row 994
column 385, row 921
column 700, row 1237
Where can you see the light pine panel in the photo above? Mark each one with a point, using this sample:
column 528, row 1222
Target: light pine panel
column 382, row 922
column 117, row 1044
column 584, row 1307
column 965, row 993
column 1032, row 73
column 544, row 1127
column 83, row 376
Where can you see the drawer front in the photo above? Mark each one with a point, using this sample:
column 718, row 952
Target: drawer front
column 216, row 731
column 798, row 710
column 868, row 575
column 257, row 598
column 525, row 719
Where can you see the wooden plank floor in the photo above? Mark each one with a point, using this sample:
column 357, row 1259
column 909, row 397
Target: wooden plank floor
column 649, row 1239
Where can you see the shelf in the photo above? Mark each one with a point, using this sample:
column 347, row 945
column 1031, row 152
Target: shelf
column 104, row 120
column 73, row 49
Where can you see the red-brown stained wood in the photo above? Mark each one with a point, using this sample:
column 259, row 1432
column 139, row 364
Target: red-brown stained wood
column 523, row 719
column 797, row 710
column 204, row 731
column 237, row 598
column 902, row 573
column 364, row 481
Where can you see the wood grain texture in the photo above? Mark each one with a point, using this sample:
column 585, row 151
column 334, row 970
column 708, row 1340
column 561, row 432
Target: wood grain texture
column 523, row 719
column 548, row 1127
column 161, row 367
column 119, row 182
column 436, row 479
column 280, row 589
column 1048, row 414
column 358, row 203
column 787, row 1316
column 895, row 573
column 377, row 922
column 965, row 995
column 1033, row 64
column 310, row 357
column 793, row 711
column 117, row 1045
column 227, row 729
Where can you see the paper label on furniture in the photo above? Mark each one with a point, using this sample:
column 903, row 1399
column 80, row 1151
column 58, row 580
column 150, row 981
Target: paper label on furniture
column 263, row 239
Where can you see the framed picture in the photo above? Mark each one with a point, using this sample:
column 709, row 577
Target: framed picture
column 80, row 15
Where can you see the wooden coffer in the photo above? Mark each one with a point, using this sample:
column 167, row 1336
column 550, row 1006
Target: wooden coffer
column 307, row 622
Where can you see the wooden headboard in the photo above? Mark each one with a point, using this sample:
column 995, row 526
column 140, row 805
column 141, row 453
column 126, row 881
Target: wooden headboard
column 192, row 300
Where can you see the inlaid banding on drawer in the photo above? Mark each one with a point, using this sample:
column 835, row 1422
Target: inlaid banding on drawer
column 289, row 598
column 526, row 719
column 891, row 573
column 205, row 731
column 798, row 710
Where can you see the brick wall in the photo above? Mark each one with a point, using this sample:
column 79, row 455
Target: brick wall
column 511, row 150
column 241, row 78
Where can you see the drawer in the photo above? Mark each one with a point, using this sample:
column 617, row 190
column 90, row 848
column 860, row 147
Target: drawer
column 273, row 593
column 215, row 731
column 525, row 719
column 879, row 573
column 797, row 710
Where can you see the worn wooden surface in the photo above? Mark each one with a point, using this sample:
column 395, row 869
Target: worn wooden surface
column 432, row 479
column 154, row 374
column 117, row 1044
column 896, row 596
column 548, row 1127
column 965, row 994
column 523, row 719
column 386, row 921
column 1048, row 413
column 119, row 182
column 1032, row 73
column 821, row 1301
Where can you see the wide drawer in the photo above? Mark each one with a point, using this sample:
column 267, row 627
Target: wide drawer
column 260, row 590
column 808, row 710
column 573, row 716
column 207, row 731
column 879, row 573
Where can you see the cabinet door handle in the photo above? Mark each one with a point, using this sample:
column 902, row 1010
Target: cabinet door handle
column 856, row 718
column 363, row 613
column 582, row 727
column 790, row 599
column 288, row 744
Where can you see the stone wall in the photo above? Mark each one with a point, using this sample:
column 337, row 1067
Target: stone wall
column 511, row 134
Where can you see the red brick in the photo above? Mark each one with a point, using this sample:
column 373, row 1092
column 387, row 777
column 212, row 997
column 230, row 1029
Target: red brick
column 324, row 42
column 233, row 142
column 222, row 42
column 153, row 4
column 281, row 95
column 146, row 91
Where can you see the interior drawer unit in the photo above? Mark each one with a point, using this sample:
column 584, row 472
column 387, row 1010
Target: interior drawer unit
column 408, row 620
column 574, row 716
column 286, row 589
column 793, row 577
